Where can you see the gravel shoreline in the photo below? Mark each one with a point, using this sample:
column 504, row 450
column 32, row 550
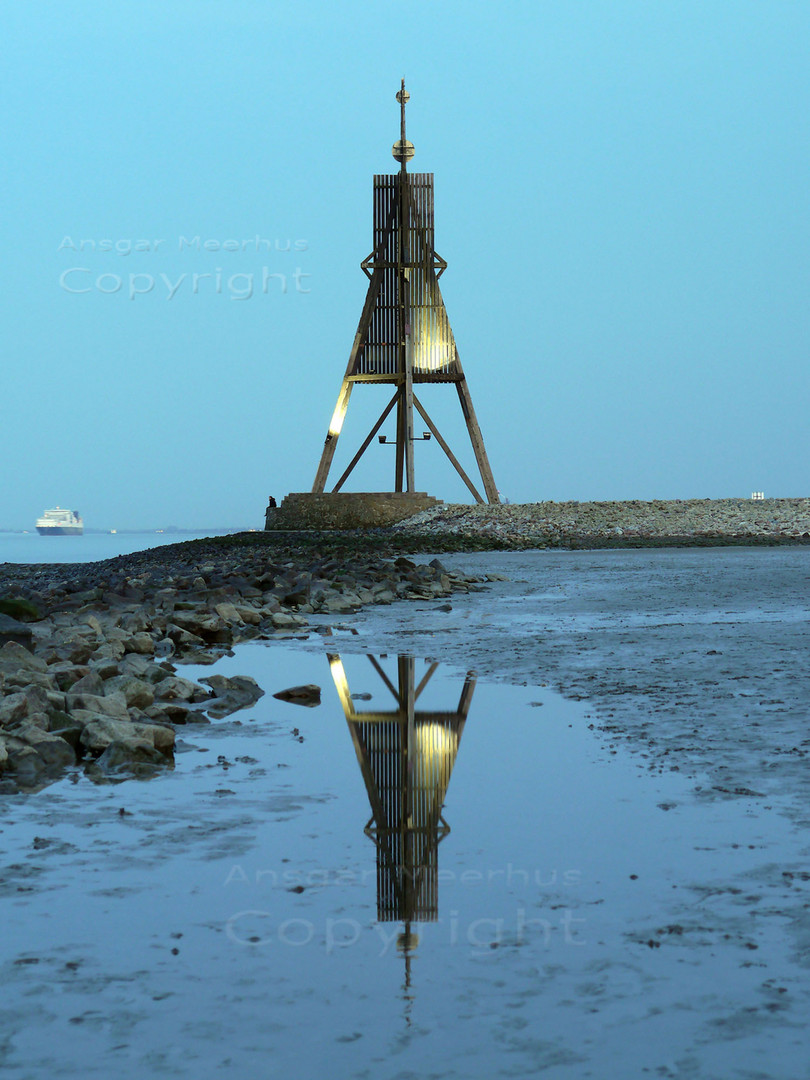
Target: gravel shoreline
column 90, row 652
column 658, row 523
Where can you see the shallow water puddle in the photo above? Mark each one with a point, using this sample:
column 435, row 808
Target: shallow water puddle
column 425, row 874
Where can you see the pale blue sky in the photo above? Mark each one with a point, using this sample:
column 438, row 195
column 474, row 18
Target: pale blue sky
column 621, row 194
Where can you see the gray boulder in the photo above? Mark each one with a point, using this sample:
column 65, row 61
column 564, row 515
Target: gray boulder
column 138, row 693
column 13, row 657
column 99, row 733
column 15, row 707
column 113, row 704
column 32, row 753
column 136, row 756
column 91, row 683
column 231, row 694
column 17, row 632
column 175, row 688
column 140, row 643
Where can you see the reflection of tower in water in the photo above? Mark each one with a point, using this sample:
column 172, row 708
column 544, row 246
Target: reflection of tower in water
column 406, row 757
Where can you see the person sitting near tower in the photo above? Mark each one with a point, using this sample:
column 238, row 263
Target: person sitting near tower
column 268, row 514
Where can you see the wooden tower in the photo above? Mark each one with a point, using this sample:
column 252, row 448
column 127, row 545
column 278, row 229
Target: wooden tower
column 404, row 336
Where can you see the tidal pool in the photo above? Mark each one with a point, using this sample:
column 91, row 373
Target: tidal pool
column 428, row 874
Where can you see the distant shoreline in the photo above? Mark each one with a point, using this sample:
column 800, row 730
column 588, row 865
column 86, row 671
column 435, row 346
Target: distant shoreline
column 214, row 531
column 567, row 525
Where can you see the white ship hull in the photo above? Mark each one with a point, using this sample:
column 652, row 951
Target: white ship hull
column 60, row 530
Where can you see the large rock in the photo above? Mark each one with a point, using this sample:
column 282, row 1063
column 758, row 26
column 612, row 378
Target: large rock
column 175, row 688
column 12, row 630
column 19, row 608
column 173, row 712
column 67, row 728
column 77, row 651
column 23, row 762
column 131, row 755
column 99, row 733
column 24, row 679
column 209, row 627
column 54, row 751
column 140, row 643
column 113, row 704
column 228, row 612
column 139, row 694
column 142, row 667
column 308, row 695
column 106, row 669
column 32, row 753
column 248, row 615
column 182, row 638
column 13, row 657
column 231, row 694
column 90, row 683
column 109, row 650
column 284, row 620
column 15, row 707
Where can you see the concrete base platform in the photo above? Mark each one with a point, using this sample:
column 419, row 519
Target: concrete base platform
column 347, row 510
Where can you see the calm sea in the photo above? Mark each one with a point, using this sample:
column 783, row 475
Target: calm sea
column 92, row 547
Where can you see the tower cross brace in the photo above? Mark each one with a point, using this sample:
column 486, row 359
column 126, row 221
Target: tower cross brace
column 404, row 336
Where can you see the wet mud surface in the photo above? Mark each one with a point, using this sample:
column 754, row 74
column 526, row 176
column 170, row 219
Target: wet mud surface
column 624, row 890
column 698, row 660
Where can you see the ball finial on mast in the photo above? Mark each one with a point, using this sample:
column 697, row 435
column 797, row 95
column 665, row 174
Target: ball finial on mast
column 403, row 150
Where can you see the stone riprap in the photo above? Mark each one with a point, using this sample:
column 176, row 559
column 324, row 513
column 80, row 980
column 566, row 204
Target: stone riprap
column 91, row 675
column 612, row 524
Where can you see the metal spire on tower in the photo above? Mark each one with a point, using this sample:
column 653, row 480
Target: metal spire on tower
column 403, row 150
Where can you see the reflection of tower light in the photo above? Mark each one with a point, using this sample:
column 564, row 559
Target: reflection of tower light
column 338, row 672
column 436, row 747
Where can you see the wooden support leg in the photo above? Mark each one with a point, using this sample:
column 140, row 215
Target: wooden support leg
column 400, row 451
column 466, row 697
column 407, row 398
column 477, row 441
column 453, row 460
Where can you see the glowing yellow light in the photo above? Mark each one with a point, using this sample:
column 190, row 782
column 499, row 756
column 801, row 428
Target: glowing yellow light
column 341, row 683
column 407, row 941
column 338, row 670
column 338, row 416
column 429, row 357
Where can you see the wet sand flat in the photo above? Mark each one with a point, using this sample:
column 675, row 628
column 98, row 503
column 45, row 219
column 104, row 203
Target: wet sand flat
column 623, row 890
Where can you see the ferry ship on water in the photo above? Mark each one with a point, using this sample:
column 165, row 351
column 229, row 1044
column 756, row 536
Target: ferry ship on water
column 60, row 522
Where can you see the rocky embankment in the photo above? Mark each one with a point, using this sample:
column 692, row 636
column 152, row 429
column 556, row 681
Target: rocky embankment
column 90, row 654
column 612, row 524
column 89, row 668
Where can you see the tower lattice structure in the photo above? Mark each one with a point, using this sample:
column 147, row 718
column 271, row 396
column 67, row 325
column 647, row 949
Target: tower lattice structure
column 404, row 336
